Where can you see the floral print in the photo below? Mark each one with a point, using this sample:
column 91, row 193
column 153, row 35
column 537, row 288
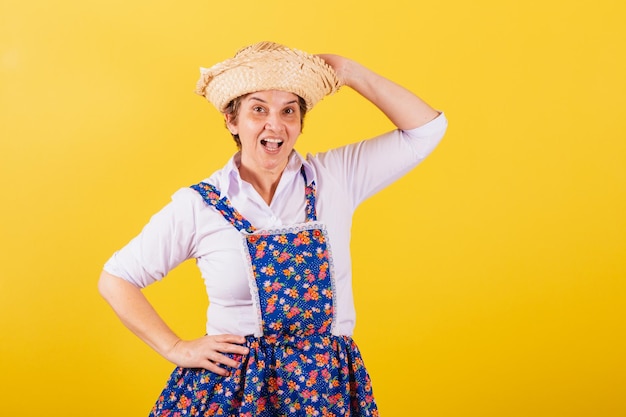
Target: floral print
column 211, row 196
column 291, row 274
column 297, row 367
column 281, row 376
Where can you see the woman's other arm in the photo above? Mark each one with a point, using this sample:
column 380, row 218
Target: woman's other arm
column 136, row 312
column 405, row 110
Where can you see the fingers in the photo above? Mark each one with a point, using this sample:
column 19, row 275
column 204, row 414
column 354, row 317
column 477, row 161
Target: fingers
column 228, row 338
column 220, row 359
column 229, row 348
column 217, row 361
column 214, row 353
column 215, row 368
column 343, row 67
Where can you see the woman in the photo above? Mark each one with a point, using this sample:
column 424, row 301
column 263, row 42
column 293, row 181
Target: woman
column 271, row 233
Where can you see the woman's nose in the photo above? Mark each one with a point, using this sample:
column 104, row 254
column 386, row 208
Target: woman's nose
column 273, row 121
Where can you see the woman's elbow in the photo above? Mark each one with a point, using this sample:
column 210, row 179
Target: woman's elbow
column 109, row 285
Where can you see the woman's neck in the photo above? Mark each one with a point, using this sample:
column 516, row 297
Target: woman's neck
column 265, row 183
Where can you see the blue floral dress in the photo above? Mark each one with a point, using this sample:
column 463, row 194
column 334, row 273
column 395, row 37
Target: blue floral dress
column 296, row 366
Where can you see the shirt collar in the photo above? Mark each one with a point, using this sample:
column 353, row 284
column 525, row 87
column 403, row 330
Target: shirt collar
column 230, row 181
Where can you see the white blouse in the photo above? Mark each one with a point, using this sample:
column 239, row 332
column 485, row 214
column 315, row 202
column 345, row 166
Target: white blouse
column 188, row 228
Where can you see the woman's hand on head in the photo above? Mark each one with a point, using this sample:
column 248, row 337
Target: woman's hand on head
column 209, row 352
column 405, row 109
column 344, row 67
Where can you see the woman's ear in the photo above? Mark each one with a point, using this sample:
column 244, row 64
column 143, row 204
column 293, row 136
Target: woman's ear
column 232, row 127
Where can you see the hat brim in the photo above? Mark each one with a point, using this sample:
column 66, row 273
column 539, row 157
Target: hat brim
column 268, row 66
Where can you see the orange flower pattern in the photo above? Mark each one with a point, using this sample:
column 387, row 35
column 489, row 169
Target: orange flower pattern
column 286, row 375
column 298, row 367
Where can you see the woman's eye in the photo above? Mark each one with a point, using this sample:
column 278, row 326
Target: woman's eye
column 257, row 109
column 289, row 111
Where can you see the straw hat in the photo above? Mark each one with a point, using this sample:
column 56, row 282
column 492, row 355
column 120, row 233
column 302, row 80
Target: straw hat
column 268, row 66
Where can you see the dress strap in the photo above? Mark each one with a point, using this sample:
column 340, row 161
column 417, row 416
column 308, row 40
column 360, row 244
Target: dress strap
column 211, row 195
column 310, row 193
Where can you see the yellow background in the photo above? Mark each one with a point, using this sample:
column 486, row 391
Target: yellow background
column 497, row 287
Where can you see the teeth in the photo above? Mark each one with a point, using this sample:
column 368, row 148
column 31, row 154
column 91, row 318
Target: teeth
column 275, row 143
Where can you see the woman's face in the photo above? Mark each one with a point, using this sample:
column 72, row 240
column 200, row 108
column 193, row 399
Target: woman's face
column 268, row 125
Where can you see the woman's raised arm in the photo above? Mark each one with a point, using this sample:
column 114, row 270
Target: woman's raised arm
column 401, row 106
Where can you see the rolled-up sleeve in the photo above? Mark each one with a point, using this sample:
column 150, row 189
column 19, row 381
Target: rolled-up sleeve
column 366, row 167
column 425, row 139
column 166, row 241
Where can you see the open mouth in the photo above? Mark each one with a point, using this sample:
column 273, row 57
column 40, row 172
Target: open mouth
column 271, row 144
